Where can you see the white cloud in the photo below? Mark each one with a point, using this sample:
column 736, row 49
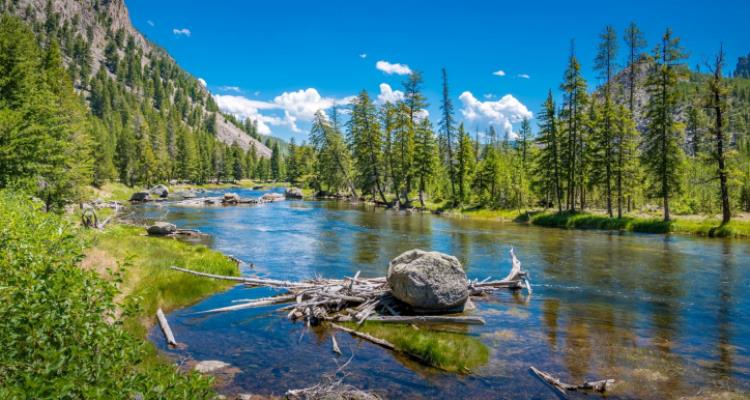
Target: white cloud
column 151, row 23
column 182, row 32
column 363, row 55
column 256, row 93
column 388, row 95
column 202, row 82
column 524, row 76
column 422, row 114
column 499, row 73
column 388, row 68
column 488, row 96
column 294, row 107
column 502, row 113
column 231, row 89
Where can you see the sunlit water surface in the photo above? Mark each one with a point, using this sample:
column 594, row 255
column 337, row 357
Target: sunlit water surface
column 665, row 316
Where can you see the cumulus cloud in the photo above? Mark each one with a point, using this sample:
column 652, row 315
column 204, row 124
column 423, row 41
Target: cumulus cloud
column 151, row 23
column 202, row 82
column 388, row 95
column 363, row 55
column 499, row 73
column 524, row 76
column 502, row 113
column 488, row 96
column 393, row 68
column 294, row 107
column 182, row 32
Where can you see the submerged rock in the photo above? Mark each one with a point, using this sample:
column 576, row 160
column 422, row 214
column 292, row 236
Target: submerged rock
column 161, row 229
column 160, row 190
column 428, row 281
column 209, row 366
column 293, row 193
column 140, row 197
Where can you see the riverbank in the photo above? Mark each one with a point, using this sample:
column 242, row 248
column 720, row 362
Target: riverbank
column 686, row 225
column 147, row 282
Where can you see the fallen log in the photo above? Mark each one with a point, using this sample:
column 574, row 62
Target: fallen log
column 165, row 328
column 600, row 386
column 362, row 335
column 335, row 345
column 428, row 319
column 266, row 301
column 247, row 280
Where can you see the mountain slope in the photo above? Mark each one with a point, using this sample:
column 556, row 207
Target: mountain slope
column 98, row 35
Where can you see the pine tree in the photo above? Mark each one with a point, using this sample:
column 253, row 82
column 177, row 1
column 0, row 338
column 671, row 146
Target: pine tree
column 446, row 129
column 662, row 153
column 277, row 163
column 572, row 149
column 425, row 156
column 606, row 65
column 548, row 168
column 403, row 152
column 366, row 142
column 465, row 164
column 717, row 102
column 635, row 43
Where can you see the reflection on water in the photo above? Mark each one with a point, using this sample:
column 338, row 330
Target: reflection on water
column 665, row 316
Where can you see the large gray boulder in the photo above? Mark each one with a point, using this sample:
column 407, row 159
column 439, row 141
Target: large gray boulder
column 161, row 229
column 160, row 190
column 140, row 197
column 293, row 193
column 428, row 281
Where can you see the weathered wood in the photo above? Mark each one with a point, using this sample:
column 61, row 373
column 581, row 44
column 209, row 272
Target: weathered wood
column 266, row 301
column 335, row 345
column 165, row 328
column 428, row 319
column 244, row 279
column 362, row 335
column 600, row 386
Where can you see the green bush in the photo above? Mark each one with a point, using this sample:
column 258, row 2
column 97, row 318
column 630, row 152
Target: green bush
column 60, row 337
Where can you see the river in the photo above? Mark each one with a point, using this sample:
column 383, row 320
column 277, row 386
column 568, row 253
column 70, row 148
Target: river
column 666, row 316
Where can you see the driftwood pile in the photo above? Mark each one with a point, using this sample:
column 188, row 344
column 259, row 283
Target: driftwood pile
column 355, row 299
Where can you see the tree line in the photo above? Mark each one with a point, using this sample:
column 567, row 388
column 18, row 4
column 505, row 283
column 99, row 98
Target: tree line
column 653, row 134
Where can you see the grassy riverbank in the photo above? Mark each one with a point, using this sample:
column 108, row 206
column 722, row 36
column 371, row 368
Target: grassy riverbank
column 147, row 281
column 688, row 225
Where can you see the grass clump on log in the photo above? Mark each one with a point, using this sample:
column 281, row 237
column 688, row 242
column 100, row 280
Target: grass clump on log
column 455, row 352
column 61, row 335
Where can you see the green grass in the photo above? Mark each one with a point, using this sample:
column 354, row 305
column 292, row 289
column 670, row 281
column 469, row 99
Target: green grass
column 456, row 352
column 148, row 283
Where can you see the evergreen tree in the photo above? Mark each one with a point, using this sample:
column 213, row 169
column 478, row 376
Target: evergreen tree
column 662, row 153
column 573, row 148
column 606, row 65
column 717, row 102
column 465, row 164
column 366, row 141
column 425, row 156
column 636, row 44
column 277, row 163
column 446, row 128
column 548, row 168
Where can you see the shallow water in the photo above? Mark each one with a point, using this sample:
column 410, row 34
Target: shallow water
column 667, row 316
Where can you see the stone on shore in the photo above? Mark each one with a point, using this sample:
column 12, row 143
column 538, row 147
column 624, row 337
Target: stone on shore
column 231, row 198
column 160, row 190
column 271, row 197
column 161, row 229
column 140, row 197
column 428, row 281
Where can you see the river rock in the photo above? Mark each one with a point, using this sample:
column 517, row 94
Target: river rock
column 271, row 197
column 293, row 193
column 208, row 366
column 428, row 281
column 231, row 198
column 161, row 229
column 140, row 197
column 160, row 190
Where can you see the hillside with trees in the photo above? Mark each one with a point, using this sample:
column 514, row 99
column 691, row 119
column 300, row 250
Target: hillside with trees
column 133, row 115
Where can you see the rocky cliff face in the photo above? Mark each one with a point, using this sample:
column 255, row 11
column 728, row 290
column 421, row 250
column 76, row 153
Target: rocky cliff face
column 94, row 23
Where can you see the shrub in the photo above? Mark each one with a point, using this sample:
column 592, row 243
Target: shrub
column 60, row 337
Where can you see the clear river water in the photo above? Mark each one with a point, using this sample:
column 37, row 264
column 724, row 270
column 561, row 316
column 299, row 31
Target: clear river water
column 666, row 316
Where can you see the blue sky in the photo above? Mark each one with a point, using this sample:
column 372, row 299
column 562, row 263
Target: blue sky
column 279, row 61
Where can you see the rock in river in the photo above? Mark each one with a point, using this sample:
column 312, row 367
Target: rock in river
column 161, row 229
column 428, row 281
column 160, row 190
column 293, row 193
column 140, row 196
column 230, row 198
